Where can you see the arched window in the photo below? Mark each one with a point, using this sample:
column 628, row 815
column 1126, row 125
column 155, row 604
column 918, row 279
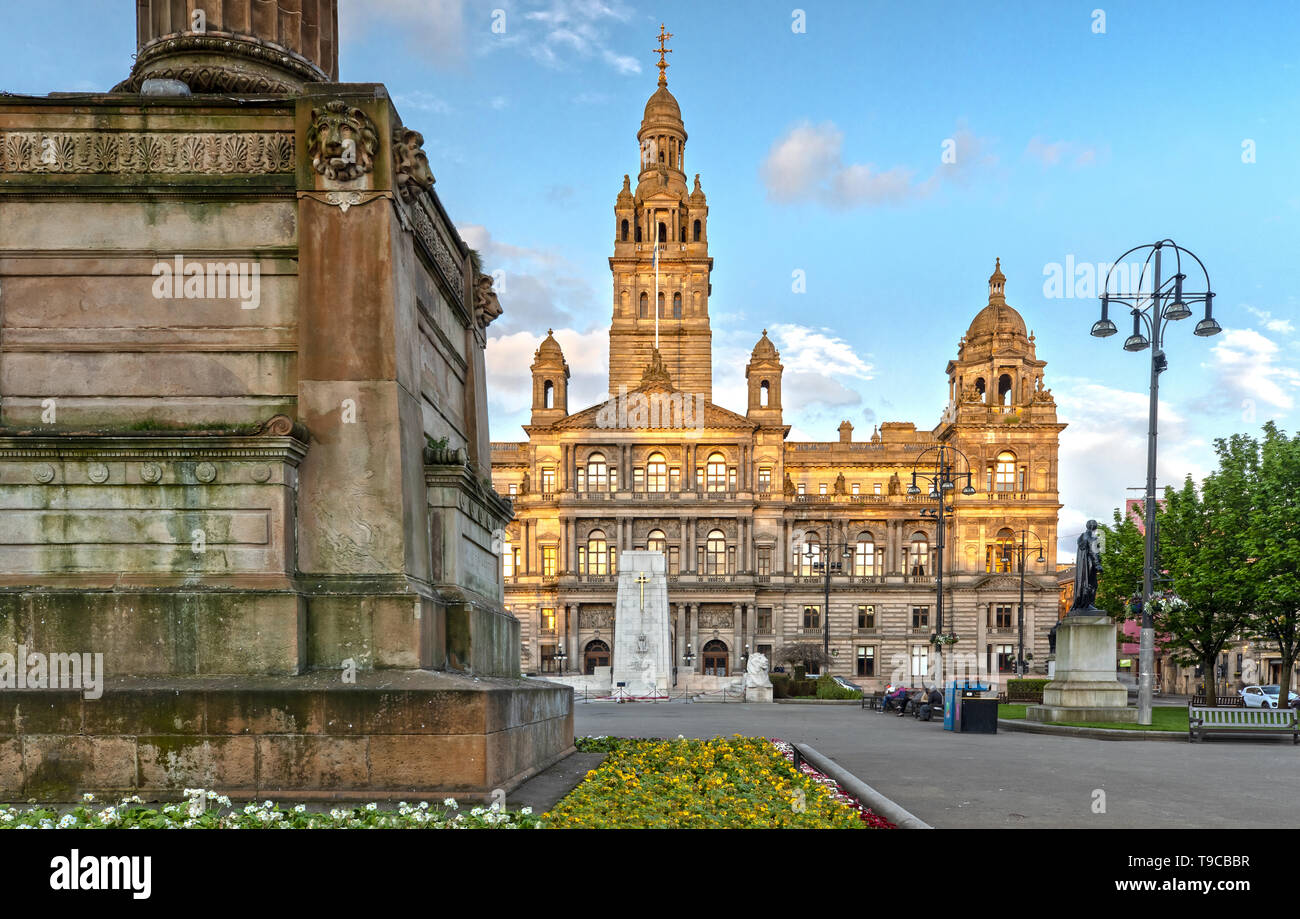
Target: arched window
column 662, row 314
column 638, row 232
column 1004, row 389
column 918, row 554
column 623, row 232
column 645, row 305
column 716, row 473
column 597, row 552
column 1001, row 554
column 864, row 556
column 656, row 473
column 1004, row 474
column 548, row 394
column 697, row 231
column 683, row 234
column 764, row 393
column 663, row 232
column 715, row 555
column 597, row 472
column 656, row 541
column 979, row 388
column 677, row 304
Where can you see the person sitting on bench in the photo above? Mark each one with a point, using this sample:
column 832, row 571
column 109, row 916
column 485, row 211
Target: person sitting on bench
column 914, row 700
column 933, row 702
column 897, row 697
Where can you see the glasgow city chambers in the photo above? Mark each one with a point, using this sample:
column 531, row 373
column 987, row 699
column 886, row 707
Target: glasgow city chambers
column 768, row 542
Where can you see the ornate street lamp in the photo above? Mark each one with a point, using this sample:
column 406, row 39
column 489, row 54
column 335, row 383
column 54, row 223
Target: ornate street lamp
column 1152, row 310
column 942, row 477
column 824, row 563
column 1022, row 550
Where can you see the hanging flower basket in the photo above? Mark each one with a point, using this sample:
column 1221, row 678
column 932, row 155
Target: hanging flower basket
column 940, row 640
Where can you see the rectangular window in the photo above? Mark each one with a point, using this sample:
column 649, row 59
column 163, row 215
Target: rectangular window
column 514, row 489
column 856, row 489
column 509, row 561
column 675, row 478
column 1023, row 475
column 821, row 489
column 812, row 617
column 613, row 560
column 866, row 661
column 920, row 661
column 548, row 619
column 731, row 559
column 699, row 560
column 549, row 554
column 764, row 620
column 801, row 488
column 613, row 478
column 731, row 478
column 765, row 478
column 1006, row 657
column 764, row 561
column 875, row 488
column 582, row 560
column 674, row 560
column 920, row 617
column 582, row 480
column 638, row 479
column 1001, row 617
column 549, row 663
column 548, row 480
column 866, row 617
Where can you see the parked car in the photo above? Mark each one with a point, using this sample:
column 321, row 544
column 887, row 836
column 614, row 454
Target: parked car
column 1266, row 696
column 846, row 684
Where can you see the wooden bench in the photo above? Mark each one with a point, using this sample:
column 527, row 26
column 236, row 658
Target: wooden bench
column 1202, row 720
column 936, row 711
column 1220, row 702
column 872, row 701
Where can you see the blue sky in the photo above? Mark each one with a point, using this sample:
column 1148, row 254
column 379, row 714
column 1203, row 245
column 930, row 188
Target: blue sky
column 820, row 151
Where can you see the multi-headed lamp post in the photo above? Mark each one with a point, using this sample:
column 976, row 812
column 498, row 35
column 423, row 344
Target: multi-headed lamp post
column 822, row 555
column 1022, row 551
column 1165, row 301
column 941, row 474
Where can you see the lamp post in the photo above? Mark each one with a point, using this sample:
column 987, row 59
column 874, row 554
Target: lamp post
column 559, row 656
column 824, row 562
column 1165, row 302
column 942, row 478
column 1022, row 549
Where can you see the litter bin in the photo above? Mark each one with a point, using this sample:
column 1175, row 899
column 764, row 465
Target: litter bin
column 976, row 714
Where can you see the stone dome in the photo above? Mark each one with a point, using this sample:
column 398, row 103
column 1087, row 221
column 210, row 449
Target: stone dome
column 764, row 350
column 997, row 318
column 549, row 349
column 661, row 107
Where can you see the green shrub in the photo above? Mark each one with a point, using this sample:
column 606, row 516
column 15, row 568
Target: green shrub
column 800, row 671
column 780, row 686
column 827, row 688
column 1025, row 690
column 803, row 687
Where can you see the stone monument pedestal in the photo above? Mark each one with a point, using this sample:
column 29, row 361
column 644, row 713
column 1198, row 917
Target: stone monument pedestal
column 1084, row 687
column 758, row 693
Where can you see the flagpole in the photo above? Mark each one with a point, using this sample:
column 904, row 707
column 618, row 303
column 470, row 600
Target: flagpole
column 656, row 303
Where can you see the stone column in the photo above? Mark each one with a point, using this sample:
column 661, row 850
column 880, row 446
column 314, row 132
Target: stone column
column 694, row 615
column 786, row 552
column 738, row 636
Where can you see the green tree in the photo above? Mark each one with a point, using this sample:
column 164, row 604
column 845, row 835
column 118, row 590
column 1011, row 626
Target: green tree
column 1273, row 467
column 1121, row 566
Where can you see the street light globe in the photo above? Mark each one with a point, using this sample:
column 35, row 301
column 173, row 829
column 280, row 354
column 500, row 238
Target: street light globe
column 1207, row 327
column 1178, row 310
column 1103, row 328
column 968, row 490
column 913, row 489
column 1140, row 342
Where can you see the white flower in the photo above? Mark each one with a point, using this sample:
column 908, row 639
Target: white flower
column 450, row 802
column 88, row 797
column 301, row 808
column 370, row 807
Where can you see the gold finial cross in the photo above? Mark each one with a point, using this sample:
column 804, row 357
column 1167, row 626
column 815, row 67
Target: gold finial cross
column 642, row 580
column 663, row 65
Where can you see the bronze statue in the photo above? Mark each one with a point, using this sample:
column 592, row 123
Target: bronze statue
column 1087, row 566
column 895, row 485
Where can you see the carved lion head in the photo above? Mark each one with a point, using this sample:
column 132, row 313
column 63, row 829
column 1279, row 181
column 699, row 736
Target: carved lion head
column 342, row 142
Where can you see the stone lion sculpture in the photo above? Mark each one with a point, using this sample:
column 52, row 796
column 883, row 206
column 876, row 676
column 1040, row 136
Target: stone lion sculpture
column 341, row 141
column 756, row 671
column 412, row 166
column 486, row 305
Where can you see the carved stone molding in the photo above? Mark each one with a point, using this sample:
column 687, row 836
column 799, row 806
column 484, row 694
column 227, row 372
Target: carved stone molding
column 410, row 164
column 150, row 153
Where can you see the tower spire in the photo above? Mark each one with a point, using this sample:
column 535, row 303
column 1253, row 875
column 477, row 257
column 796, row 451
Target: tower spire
column 663, row 64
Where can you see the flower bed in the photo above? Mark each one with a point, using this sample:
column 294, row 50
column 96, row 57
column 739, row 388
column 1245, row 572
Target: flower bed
column 736, row 783
column 208, row 810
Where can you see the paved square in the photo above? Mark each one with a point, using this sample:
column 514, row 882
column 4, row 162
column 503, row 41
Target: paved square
column 1006, row 779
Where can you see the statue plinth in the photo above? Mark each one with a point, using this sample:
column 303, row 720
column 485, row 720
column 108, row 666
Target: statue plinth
column 1084, row 687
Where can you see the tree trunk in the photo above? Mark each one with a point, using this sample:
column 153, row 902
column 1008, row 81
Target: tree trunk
column 1284, row 685
column 1208, row 666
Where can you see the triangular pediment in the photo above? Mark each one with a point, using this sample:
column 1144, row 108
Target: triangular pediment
column 647, row 410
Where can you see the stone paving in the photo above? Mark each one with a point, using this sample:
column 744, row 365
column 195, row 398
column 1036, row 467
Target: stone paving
column 1006, row 779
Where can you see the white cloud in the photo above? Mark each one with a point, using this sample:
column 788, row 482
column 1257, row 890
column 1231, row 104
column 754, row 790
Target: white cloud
column 1103, row 452
column 510, row 381
column 436, row 29
column 574, row 28
column 539, row 287
column 1280, row 326
column 421, row 101
column 1248, row 374
column 807, row 164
